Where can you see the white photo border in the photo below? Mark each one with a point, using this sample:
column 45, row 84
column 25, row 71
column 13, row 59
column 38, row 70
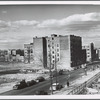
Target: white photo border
column 50, row 3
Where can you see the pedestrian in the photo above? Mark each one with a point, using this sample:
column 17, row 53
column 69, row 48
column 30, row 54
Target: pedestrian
column 68, row 83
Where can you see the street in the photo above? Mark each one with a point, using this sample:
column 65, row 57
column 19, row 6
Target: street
column 62, row 79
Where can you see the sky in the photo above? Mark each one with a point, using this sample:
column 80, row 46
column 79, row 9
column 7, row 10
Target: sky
column 20, row 23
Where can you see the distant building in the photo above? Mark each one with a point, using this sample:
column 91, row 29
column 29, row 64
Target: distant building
column 3, row 55
column 28, row 53
column 89, row 52
column 96, row 55
column 15, row 55
column 11, row 55
column 65, row 50
column 99, row 53
column 84, row 56
column 19, row 55
column 13, row 52
column 20, row 52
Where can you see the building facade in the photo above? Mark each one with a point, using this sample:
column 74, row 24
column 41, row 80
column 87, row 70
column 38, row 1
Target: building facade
column 3, row 55
column 28, row 53
column 84, row 56
column 62, row 51
column 70, row 50
column 89, row 52
column 99, row 53
column 96, row 54
column 53, row 50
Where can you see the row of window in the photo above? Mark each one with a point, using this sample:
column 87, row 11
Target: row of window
column 52, row 39
column 53, row 51
column 53, row 45
column 54, row 60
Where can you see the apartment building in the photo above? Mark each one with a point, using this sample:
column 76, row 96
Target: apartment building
column 28, row 53
column 89, row 52
column 65, row 50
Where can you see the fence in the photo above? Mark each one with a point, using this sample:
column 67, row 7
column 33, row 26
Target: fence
column 79, row 89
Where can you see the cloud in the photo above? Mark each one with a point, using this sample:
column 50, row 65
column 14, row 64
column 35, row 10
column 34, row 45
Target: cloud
column 25, row 23
column 13, row 25
column 77, row 22
column 4, row 12
column 85, row 25
column 73, row 22
column 3, row 24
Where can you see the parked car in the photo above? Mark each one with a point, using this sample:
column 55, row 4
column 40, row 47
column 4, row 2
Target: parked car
column 20, row 85
column 61, row 72
column 40, row 79
column 54, row 74
column 30, row 83
column 41, row 93
column 56, row 86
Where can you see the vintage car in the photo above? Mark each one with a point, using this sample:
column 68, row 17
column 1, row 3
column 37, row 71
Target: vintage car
column 40, row 79
column 20, row 85
column 30, row 83
column 56, row 86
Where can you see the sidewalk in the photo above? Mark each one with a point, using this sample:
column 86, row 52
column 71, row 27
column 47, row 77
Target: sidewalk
column 77, row 82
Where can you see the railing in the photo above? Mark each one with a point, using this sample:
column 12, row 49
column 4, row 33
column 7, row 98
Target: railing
column 79, row 89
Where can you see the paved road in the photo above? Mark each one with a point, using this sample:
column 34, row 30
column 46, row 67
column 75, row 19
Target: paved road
column 46, row 84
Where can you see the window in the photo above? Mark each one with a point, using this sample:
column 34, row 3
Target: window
column 52, row 47
column 58, row 59
column 53, row 61
column 52, row 38
column 53, row 52
column 88, row 53
column 31, row 51
column 57, row 54
column 88, row 49
column 88, row 56
column 52, row 56
column 49, row 45
column 57, row 45
column 57, row 50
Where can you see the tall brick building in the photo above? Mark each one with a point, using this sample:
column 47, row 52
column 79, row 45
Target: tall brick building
column 70, row 50
column 63, row 50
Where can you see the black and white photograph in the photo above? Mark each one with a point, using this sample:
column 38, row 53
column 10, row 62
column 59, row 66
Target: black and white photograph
column 49, row 49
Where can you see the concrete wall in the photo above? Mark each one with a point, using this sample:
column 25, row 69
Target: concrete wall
column 38, row 51
column 64, row 52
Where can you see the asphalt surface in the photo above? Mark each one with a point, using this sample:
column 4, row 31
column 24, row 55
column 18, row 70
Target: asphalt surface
column 62, row 79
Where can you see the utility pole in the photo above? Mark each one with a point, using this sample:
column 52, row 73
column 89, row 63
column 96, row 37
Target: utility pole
column 28, row 54
column 84, row 67
column 56, row 67
column 50, row 69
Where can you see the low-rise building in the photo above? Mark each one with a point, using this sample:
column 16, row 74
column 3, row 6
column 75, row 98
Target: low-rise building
column 28, row 53
column 89, row 52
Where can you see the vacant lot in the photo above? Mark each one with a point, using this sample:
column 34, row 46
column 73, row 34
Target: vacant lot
column 4, row 66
